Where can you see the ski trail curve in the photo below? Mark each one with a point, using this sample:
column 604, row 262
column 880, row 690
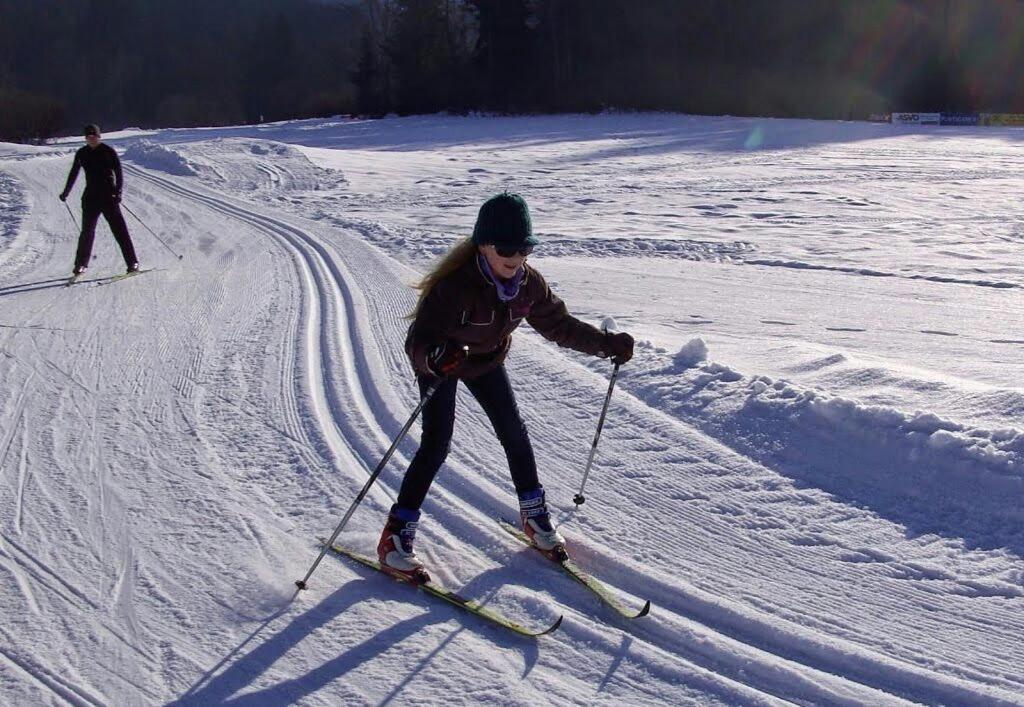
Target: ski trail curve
column 354, row 415
column 323, row 350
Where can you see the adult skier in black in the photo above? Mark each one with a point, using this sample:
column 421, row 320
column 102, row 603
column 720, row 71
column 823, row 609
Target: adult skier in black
column 103, row 184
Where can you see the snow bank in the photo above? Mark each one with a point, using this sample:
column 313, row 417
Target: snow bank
column 12, row 207
column 150, row 155
column 926, row 471
column 692, row 353
column 248, row 165
column 919, row 437
column 597, row 246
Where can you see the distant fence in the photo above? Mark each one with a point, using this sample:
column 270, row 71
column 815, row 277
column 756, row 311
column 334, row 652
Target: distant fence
column 911, row 118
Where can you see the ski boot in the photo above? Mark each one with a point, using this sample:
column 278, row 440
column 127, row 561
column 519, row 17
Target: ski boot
column 395, row 551
column 533, row 511
column 133, row 268
column 75, row 274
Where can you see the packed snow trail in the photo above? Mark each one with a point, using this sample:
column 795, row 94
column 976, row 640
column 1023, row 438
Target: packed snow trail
column 341, row 421
column 176, row 443
column 921, row 682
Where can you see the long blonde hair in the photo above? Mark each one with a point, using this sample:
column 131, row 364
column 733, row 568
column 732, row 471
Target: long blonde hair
column 457, row 256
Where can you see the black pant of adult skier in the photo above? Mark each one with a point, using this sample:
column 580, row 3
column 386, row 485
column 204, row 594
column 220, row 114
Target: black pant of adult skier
column 91, row 210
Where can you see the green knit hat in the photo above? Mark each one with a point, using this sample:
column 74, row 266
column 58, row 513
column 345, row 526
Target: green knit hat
column 504, row 220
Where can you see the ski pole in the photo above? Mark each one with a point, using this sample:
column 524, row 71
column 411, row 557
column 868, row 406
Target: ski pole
column 72, row 215
column 150, row 230
column 301, row 583
column 579, row 499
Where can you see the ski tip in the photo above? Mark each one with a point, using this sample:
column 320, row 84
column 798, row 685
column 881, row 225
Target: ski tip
column 644, row 611
column 553, row 627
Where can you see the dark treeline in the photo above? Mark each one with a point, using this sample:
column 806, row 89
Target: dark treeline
column 193, row 62
column 808, row 58
column 179, row 63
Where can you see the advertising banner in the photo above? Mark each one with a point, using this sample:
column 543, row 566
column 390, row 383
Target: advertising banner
column 959, row 119
column 907, row 118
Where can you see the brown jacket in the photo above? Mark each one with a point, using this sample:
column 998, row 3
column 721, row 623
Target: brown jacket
column 464, row 309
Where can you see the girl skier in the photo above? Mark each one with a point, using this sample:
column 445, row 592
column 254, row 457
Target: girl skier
column 469, row 305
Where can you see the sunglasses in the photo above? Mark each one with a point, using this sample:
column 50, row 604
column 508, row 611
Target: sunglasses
column 506, row 252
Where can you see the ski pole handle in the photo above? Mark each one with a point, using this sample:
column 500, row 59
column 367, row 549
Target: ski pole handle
column 579, row 498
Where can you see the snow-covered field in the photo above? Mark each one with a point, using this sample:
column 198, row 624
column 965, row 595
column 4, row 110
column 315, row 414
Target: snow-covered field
column 813, row 467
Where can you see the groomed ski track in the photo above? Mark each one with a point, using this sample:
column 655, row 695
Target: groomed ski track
column 345, row 392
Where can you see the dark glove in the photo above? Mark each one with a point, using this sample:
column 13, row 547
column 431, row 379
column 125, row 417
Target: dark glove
column 619, row 346
column 444, row 359
column 63, row 196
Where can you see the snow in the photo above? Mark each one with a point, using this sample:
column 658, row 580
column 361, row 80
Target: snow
column 690, row 354
column 154, row 156
column 813, row 467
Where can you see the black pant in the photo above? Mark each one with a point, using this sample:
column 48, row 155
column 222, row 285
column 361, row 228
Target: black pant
column 494, row 393
column 91, row 210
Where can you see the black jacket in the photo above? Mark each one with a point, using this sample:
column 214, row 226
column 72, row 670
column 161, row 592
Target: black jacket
column 103, row 178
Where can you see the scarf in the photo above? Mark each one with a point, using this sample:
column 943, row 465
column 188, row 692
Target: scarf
column 507, row 289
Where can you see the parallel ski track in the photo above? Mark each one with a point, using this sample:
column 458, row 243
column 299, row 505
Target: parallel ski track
column 705, row 646
column 16, row 419
column 50, row 681
column 324, row 280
